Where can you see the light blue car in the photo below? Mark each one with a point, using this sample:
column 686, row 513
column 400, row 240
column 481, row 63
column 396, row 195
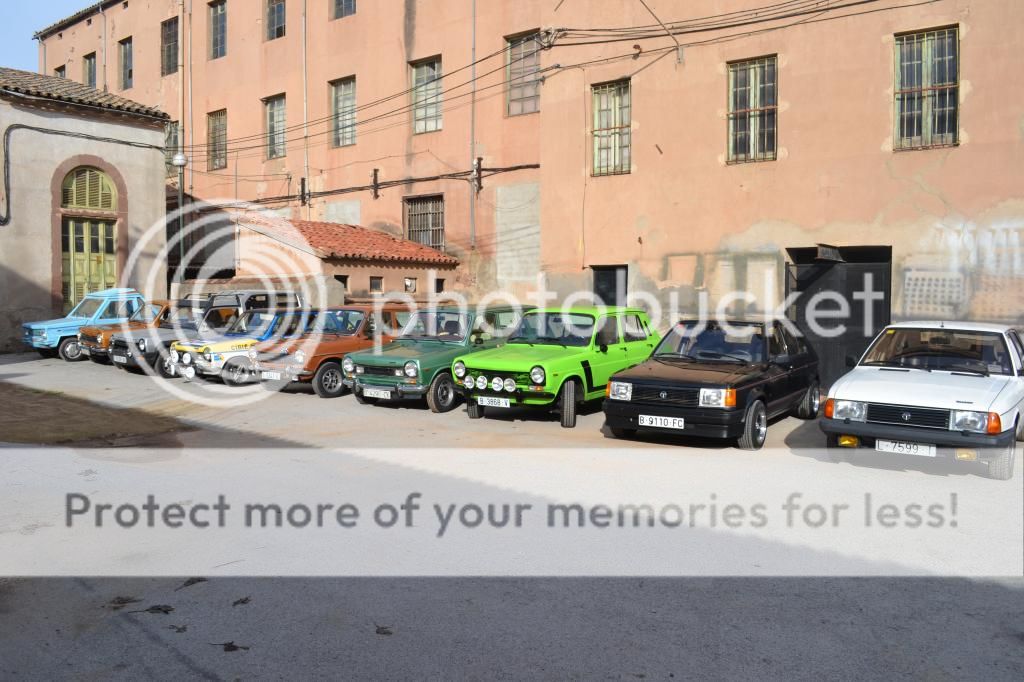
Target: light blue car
column 60, row 337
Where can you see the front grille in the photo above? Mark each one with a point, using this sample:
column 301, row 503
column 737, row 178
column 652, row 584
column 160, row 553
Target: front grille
column 90, row 338
column 380, row 371
column 521, row 378
column 119, row 344
column 681, row 397
column 271, row 356
column 908, row 416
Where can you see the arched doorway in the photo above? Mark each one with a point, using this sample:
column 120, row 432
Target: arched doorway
column 88, row 234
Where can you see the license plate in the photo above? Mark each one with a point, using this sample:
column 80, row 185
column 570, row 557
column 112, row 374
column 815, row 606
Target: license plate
column 488, row 401
column 120, row 358
column 660, row 422
column 377, row 393
column 903, row 448
column 272, row 376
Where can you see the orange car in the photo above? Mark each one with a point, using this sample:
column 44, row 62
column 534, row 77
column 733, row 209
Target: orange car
column 316, row 356
column 95, row 341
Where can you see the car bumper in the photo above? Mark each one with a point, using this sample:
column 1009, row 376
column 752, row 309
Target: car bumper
column 702, row 423
column 95, row 351
column 286, row 372
column 947, row 442
column 38, row 342
column 517, row 398
column 398, row 391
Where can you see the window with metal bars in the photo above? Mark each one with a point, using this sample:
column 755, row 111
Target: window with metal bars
column 753, row 110
column 169, row 46
column 127, row 63
column 344, row 8
column 426, row 95
column 217, row 140
column 218, row 29
column 424, row 221
column 927, row 89
column 275, row 19
column 89, row 69
column 523, row 78
column 275, row 117
column 88, row 188
column 343, row 112
column 612, row 135
column 171, row 143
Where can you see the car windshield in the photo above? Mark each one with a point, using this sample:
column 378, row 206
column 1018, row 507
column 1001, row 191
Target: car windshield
column 344, row 322
column 87, row 308
column 560, row 329
column 184, row 316
column 693, row 341
column 262, row 323
column 952, row 350
column 147, row 313
column 436, row 325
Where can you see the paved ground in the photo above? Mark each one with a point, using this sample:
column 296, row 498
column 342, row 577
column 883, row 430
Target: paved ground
column 444, row 628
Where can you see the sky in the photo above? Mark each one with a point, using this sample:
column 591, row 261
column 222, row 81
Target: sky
column 19, row 19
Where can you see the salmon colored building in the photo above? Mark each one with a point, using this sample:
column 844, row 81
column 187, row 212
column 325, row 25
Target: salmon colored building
column 667, row 147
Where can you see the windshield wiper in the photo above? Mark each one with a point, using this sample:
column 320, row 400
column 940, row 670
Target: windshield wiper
column 886, row 363
column 967, row 370
column 675, row 356
column 718, row 355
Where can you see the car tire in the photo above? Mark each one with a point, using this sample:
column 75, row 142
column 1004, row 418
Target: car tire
column 441, row 396
column 755, row 426
column 362, row 399
column 622, row 433
column 810, row 403
column 163, row 367
column 567, row 405
column 48, row 353
column 235, row 373
column 474, row 409
column 70, row 351
column 1001, row 467
column 328, row 382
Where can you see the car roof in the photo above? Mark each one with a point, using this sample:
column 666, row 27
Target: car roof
column 111, row 292
column 472, row 308
column 957, row 325
column 591, row 310
column 369, row 307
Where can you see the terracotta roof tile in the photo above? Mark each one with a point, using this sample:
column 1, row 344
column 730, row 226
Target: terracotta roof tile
column 66, row 90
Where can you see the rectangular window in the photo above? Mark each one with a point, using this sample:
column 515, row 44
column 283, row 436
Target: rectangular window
column 426, row 95
column 169, row 46
column 217, row 140
column 171, row 143
column 753, row 109
column 410, row 285
column 523, row 81
column 611, row 128
column 927, row 89
column 276, row 122
column 376, row 284
column 424, row 221
column 218, row 29
column 125, row 54
column 343, row 112
column 438, row 286
column 275, row 19
column 344, row 8
column 89, row 69
column 60, row 72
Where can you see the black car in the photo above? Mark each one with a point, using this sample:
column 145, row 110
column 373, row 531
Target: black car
column 721, row 379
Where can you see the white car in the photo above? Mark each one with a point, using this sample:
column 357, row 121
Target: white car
column 934, row 389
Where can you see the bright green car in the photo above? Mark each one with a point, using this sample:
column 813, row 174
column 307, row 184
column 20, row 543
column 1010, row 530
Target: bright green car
column 556, row 356
column 418, row 363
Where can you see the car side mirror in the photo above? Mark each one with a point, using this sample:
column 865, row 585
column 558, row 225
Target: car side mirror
column 782, row 359
column 851, row 361
column 603, row 347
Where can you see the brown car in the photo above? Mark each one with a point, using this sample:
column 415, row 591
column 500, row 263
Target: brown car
column 95, row 341
column 316, row 356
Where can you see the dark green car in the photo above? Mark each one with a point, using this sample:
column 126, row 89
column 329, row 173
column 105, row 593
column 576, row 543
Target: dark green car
column 418, row 363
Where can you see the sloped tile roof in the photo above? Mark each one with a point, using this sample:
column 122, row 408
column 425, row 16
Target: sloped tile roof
column 351, row 242
column 74, row 18
column 69, row 91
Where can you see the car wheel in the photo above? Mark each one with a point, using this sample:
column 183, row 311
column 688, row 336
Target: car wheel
column 622, row 433
column 1020, row 430
column 567, row 405
column 475, row 410
column 1001, row 467
column 362, row 399
column 70, row 351
column 327, row 382
column 755, row 426
column 810, row 403
column 48, row 353
column 164, row 368
column 441, row 394
column 235, row 373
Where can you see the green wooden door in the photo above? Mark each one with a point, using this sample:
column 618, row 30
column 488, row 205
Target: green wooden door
column 88, row 258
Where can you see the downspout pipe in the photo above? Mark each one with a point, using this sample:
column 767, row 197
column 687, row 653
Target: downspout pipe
column 305, row 109
column 474, row 189
column 103, row 46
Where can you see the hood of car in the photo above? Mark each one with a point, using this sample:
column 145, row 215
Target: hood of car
column 521, row 357
column 398, row 353
column 690, row 374
column 936, row 389
column 318, row 344
column 57, row 323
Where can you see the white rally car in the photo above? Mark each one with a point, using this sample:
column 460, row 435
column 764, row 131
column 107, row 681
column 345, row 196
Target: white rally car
column 934, row 389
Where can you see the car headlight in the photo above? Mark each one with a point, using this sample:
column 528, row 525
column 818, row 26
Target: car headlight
column 300, row 357
column 537, row 375
column 141, row 343
column 717, row 397
column 853, row 410
column 459, row 368
column 468, row 382
column 481, row 382
column 175, row 356
column 99, row 337
column 620, row 390
column 411, row 369
column 348, row 365
column 967, row 420
column 497, row 384
column 207, row 356
column 510, row 385
column 186, row 359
